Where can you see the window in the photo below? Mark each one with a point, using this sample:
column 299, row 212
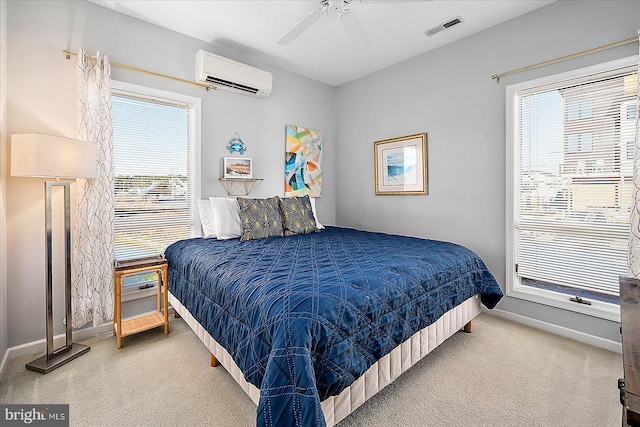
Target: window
column 579, row 142
column 569, row 199
column 582, row 109
column 631, row 112
column 154, row 178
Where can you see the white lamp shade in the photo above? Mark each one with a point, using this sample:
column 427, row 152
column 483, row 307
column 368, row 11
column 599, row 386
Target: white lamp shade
column 39, row 155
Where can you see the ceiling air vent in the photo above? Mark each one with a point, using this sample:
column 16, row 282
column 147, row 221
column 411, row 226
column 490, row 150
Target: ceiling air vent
column 444, row 26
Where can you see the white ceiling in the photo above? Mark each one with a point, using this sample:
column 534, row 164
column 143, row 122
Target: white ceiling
column 324, row 52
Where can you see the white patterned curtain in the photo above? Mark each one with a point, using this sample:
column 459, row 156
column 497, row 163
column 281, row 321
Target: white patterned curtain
column 634, row 240
column 93, row 228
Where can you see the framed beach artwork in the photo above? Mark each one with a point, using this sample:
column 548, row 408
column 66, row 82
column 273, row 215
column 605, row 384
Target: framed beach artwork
column 401, row 165
column 303, row 162
column 238, row 167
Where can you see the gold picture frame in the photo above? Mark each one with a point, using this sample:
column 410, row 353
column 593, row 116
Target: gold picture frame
column 401, row 166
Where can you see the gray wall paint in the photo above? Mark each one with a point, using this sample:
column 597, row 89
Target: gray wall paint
column 42, row 96
column 449, row 94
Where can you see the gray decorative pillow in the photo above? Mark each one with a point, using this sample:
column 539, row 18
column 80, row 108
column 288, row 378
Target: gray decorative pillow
column 297, row 216
column 260, row 218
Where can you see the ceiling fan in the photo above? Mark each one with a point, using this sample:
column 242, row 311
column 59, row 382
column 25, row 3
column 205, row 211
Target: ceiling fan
column 337, row 8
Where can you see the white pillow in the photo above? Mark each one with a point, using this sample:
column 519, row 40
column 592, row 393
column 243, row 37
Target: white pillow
column 313, row 208
column 227, row 217
column 207, row 218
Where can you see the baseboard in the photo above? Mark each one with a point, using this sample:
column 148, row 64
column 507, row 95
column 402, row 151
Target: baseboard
column 558, row 330
column 58, row 340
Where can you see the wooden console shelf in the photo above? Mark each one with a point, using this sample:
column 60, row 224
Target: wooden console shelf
column 159, row 317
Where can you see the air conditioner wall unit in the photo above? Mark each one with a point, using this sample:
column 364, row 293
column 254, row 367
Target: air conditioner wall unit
column 232, row 76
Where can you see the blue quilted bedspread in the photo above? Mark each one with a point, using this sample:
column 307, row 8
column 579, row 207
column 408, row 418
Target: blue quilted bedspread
column 304, row 316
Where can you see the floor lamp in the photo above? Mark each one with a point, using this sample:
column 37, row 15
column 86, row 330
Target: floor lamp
column 39, row 155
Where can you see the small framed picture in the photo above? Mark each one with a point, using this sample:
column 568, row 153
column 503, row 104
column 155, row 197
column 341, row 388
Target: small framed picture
column 401, row 165
column 238, row 167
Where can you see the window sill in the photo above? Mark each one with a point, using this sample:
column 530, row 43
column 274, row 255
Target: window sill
column 598, row 309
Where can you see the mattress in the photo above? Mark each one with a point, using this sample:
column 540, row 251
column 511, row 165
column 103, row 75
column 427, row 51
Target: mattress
column 305, row 317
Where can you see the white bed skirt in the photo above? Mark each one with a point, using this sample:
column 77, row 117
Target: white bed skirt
column 377, row 377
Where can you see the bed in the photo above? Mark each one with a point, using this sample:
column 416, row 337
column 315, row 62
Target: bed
column 313, row 325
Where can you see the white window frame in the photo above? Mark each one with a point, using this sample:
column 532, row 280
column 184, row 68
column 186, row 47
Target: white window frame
column 597, row 308
column 125, row 88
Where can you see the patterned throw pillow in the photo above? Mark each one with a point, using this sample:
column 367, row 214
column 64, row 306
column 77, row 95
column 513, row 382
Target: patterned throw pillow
column 260, row 218
column 297, row 216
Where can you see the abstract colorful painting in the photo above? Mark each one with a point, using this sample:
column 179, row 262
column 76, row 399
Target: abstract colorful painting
column 303, row 167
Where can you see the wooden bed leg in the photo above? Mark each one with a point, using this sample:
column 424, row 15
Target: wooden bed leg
column 214, row 361
column 175, row 314
column 467, row 327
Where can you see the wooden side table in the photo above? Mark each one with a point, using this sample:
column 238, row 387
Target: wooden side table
column 159, row 317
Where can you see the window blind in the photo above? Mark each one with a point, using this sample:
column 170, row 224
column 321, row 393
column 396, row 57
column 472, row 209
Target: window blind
column 573, row 189
column 152, row 143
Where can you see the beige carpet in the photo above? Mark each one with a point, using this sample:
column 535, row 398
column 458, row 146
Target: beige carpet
column 502, row 374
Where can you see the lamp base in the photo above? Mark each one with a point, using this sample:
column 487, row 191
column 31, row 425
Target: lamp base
column 63, row 356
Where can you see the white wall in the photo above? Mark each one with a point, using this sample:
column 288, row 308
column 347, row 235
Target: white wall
column 41, row 98
column 449, row 94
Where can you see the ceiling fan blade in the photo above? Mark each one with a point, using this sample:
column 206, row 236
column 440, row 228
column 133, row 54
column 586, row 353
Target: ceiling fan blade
column 301, row 26
column 357, row 33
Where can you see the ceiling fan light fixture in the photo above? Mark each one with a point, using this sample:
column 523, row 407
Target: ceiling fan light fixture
column 336, row 7
column 331, row 7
